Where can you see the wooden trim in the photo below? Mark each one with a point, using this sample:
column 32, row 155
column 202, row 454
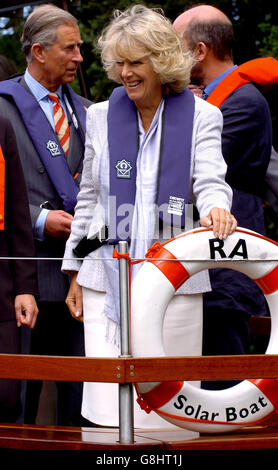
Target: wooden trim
column 128, row 370
column 57, row 438
column 47, row 438
column 202, row 368
column 78, row 369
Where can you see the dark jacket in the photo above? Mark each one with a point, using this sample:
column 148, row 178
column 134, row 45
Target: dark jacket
column 16, row 240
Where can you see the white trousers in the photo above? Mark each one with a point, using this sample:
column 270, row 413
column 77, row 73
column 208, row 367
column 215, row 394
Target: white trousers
column 182, row 333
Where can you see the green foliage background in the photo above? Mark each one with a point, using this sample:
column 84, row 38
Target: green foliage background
column 255, row 24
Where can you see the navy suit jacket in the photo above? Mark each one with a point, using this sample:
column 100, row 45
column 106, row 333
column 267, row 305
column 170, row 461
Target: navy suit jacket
column 246, row 146
column 16, row 240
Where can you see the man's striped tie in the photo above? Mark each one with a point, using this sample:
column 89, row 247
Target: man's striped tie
column 60, row 122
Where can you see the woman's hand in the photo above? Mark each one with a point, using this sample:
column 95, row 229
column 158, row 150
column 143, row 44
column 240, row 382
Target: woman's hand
column 222, row 221
column 74, row 299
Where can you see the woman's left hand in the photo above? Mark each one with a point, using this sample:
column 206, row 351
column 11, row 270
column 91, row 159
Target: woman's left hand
column 74, row 299
column 222, row 221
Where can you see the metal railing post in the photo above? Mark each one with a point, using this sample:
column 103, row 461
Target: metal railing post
column 126, row 422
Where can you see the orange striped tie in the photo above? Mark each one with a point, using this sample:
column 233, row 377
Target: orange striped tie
column 60, row 122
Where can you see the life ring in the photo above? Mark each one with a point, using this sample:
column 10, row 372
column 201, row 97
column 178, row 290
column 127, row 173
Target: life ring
column 184, row 405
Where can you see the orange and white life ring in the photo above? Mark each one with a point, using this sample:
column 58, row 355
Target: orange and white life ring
column 182, row 404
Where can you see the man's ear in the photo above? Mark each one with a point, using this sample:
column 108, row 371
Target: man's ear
column 38, row 52
column 200, row 51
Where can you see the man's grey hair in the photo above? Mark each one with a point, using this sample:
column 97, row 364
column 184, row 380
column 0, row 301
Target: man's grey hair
column 41, row 27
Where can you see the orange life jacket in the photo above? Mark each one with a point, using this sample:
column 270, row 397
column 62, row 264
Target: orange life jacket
column 2, row 189
column 263, row 71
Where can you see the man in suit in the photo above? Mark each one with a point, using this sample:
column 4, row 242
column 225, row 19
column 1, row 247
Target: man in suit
column 18, row 277
column 50, row 132
column 246, row 146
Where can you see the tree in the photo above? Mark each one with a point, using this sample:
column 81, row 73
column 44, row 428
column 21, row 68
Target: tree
column 254, row 23
column 10, row 32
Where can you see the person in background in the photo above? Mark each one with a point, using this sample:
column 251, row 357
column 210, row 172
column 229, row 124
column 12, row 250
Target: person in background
column 48, row 119
column 19, row 284
column 131, row 162
column 246, row 145
column 7, row 68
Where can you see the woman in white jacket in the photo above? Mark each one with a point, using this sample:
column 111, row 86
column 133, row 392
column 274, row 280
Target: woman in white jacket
column 152, row 148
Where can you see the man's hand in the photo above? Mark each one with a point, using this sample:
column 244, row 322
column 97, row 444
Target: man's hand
column 26, row 310
column 74, row 299
column 58, row 224
column 222, row 221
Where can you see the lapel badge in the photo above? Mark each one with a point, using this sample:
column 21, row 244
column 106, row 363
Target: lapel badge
column 53, row 148
column 123, row 168
column 175, row 205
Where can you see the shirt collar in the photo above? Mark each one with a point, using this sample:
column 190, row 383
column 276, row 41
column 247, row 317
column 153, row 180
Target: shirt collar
column 37, row 89
column 213, row 84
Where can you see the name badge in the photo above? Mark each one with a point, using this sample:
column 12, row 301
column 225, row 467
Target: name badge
column 53, row 148
column 175, row 205
column 123, row 168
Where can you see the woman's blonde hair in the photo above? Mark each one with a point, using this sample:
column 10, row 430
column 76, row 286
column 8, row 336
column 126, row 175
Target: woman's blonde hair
column 41, row 26
column 140, row 31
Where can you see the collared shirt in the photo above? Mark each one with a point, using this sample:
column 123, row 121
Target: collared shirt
column 41, row 95
column 213, row 84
